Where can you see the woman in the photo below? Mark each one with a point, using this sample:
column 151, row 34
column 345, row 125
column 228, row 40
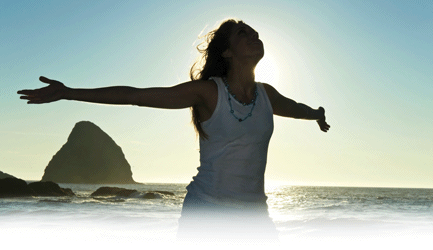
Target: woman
column 233, row 116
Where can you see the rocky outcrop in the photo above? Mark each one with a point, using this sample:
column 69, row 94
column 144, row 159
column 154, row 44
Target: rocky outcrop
column 129, row 193
column 154, row 194
column 89, row 156
column 4, row 175
column 50, row 188
column 113, row 191
column 13, row 187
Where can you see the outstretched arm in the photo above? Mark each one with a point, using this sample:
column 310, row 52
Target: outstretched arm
column 286, row 107
column 179, row 96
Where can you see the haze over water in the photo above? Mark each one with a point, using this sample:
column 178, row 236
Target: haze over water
column 305, row 217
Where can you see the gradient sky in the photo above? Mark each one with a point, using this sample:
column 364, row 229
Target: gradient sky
column 368, row 63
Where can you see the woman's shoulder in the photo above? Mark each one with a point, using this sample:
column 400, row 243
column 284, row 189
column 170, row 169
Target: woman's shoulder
column 270, row 90
column 208, row 85
column 207, row 89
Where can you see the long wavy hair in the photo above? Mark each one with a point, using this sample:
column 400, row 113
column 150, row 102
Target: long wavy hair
column 211, row 62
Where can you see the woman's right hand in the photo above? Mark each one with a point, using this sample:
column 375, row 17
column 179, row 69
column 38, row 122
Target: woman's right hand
column 51, row 93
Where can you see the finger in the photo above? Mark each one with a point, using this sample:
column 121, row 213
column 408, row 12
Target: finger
column 29, row 94
column 30, row 99
column 324, row 128
column 26, row 97
column 24, row 91
column 45, row 80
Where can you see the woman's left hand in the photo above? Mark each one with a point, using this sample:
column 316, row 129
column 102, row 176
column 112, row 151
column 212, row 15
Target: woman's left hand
column 322, row 121
column 323, row 125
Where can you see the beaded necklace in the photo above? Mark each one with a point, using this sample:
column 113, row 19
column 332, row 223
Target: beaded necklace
column 230, row 94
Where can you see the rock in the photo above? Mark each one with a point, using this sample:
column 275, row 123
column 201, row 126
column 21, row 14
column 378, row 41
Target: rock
column 50, row 189
column 113, row 191
column 13, row 187
column 130, row 193
column 89, row 156
column 68, row 192
column 4, row 175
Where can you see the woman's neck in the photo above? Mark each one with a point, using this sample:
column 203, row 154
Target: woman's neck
column 241, row 78
column 242, row 82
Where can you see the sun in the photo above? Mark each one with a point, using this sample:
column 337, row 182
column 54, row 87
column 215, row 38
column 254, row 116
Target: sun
column 267, row 71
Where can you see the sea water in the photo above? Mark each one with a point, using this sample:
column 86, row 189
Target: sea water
column 306, row 217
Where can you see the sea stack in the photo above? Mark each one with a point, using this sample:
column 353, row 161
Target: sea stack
column 89, row 156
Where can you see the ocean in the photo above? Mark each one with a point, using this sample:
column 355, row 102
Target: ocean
column 306, row 217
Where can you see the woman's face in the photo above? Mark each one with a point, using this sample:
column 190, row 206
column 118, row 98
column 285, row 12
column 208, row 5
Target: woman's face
column 245, row 42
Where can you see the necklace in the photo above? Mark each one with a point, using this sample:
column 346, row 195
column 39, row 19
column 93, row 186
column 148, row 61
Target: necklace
column 252, row 103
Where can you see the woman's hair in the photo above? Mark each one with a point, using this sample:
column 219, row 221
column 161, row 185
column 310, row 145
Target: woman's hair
column 211, row 62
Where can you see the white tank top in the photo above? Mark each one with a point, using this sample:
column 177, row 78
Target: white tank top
column 233, row 158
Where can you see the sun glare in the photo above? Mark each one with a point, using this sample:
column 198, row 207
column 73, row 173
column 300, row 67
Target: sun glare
column 267, row 71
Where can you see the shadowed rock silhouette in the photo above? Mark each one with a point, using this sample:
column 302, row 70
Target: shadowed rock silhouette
column 49, row 188
column 113, row 191
column 129, row 193
column 14, row 187
column 4, row 175
column 89, row 156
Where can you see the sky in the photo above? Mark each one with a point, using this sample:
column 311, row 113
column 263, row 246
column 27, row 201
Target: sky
column 368, row 63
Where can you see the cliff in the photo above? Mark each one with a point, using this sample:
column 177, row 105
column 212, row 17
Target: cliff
column 4, row 175
column 89, row 156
